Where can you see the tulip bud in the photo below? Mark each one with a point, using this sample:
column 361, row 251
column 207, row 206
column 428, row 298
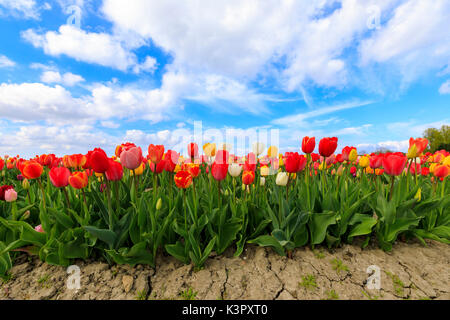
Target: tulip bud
column 262, row 181
column 340, row 170
column 282, row 179
column 25, row 184
column 226, row 193
column 412, row 152
column 3, row 173
column 418, row 195
column 26, row 215
column 159, row 204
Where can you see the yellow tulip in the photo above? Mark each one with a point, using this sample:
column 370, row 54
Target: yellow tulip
column 280, row 160
column 412, row 152
column 352, row 155
column 209, row 149
column 364, row 161
column 323, row 165
column 272, row 152
column 264, row 171
column 177, row 168
column 446, row 161
column 432, row 167
column 139, row 170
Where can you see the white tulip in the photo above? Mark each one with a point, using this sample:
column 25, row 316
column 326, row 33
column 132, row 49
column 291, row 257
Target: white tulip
column 258, row 148
column 282, row 179
column 234, row 169
column 262, row 181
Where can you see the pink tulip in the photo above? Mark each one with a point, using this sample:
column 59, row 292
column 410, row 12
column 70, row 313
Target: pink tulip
column 39, row 228
column 131, row 158
column 10, row 195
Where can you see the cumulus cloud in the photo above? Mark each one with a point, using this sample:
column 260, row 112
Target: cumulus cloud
column 98, row 48
column 68, row 79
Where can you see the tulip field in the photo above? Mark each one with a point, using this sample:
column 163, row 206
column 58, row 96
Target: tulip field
column 132, row 206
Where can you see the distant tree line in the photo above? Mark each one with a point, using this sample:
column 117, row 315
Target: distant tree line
column 438, row 139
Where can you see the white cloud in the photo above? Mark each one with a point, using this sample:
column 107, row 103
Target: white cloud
column 110, row 124
column 298, row 119
column 414, row 41
column 30, row 140
column 68, row 79
column 97, row 48
column 5, row 62
column 445, row 88
column 19, row 8
column 36, row 101
column 149, row 65
column 401, row 146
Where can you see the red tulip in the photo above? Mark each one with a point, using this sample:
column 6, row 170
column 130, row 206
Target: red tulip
column 308, row 144
column 222, row 156
column 158, row 167
column 250, row 162
column 219, row 170
column 31, row 169
column 314, row 157
column 301, row 162
column 98, row 160
column 425, row 171
column 155, row 153
column 115, row 171
column 291, row 161
column 441, row 171
column 131, row 158
column 59, row 176
column 375, row 161
column 248, row 177
column 192, row 150
column 79, row 180
column 170, row 160
column 193, row 169
column 394, row 165
column 2, row 164
column 415, row 168
column 327, row 146
column 183, row 179
column 339, row 158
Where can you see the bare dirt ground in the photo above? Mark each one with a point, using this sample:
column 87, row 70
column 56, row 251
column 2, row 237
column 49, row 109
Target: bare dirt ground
column 410, row 271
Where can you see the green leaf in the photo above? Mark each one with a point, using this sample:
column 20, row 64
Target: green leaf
column 103, row 234
column 269, row 241
column 362, row 225
column 318, row 225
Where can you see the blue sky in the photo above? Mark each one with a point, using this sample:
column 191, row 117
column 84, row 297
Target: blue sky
column 78, row 74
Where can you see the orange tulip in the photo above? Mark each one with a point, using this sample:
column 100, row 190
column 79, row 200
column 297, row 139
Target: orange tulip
column 31, row 169
column 78, row 180
column 421, row 144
